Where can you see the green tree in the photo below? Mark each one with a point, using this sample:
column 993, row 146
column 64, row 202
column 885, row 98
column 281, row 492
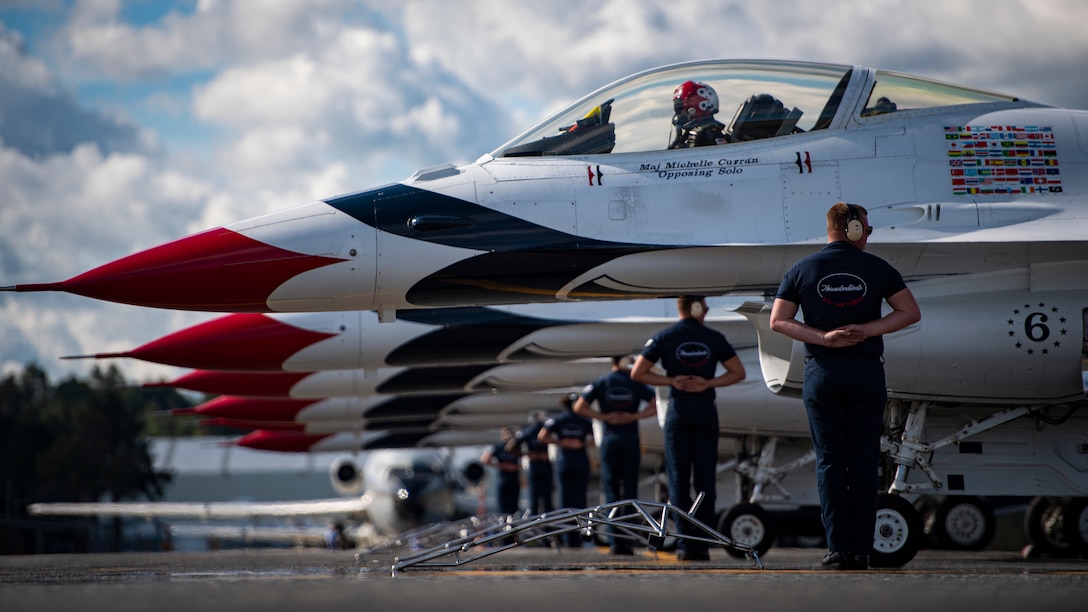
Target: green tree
column 22, row 434
column 97, row 448
column 80, row 440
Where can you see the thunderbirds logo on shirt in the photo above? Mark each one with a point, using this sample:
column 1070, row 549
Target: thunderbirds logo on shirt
column 693, row 354
column 618, row 397
column 841, row 289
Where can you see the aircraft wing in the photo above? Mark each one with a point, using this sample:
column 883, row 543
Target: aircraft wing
column 337, row 507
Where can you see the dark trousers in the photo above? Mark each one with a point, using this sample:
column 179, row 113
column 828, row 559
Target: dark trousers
column 541, row 487
column 509, row 491
column 844, row 396
column 620, row 458
column 691, row 460
column 573, row 469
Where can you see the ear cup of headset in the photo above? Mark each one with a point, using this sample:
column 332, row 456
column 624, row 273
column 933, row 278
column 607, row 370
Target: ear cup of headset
column 697, row 309
column 855, row 229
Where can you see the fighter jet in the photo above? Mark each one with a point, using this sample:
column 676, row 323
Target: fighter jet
column 374, row 407
column 473, row 378
column 592, row 204
column 425, row 414
column 747, row 408
column 306, row 342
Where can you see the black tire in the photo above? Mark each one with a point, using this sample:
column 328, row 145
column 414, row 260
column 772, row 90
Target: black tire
column 749, row 524
column 1043, row 525
column 1075, row 524
column 964, row 522
column 898, row 534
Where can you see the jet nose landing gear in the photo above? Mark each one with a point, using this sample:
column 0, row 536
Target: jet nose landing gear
column 898, row 532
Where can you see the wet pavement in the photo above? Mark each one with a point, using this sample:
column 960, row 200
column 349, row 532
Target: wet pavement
column 534, row 579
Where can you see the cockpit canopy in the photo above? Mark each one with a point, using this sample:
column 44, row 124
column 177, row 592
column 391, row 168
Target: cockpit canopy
column 758, row 99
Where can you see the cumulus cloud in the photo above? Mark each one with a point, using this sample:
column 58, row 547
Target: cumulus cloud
column 97, row 43
column 38, row 118
column 1019, row 46
column 361, row 98
column 68, row 212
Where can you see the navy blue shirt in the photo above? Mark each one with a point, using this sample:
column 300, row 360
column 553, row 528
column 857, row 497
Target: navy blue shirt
column 570, row 425
column 498, row 450
column 839, row 285
column 689, row 348
column 616, row 392
column 528, row 438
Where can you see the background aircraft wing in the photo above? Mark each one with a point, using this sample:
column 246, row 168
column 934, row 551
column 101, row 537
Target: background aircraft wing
column 337, row 507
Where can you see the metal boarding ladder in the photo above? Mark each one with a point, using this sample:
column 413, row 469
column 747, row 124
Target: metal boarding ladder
column 630, row 519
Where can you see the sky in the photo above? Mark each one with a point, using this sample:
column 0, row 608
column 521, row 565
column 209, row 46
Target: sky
column 124, row 125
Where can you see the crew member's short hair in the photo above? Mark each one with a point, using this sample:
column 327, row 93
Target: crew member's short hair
column 839, row 214
column 567, row 401
column 684, row 302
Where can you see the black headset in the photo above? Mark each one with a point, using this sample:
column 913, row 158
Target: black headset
column 855, row 229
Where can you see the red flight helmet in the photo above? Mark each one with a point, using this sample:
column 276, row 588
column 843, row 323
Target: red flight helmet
column 693, row 100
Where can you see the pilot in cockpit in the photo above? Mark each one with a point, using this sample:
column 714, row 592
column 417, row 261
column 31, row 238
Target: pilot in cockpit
column 694, row 105
column 883, row 105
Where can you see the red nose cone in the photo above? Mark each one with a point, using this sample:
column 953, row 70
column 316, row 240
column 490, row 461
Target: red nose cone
column 252, row 408
column 254, row 384
column 284, row 442
column 238, row 342
column 218, row 270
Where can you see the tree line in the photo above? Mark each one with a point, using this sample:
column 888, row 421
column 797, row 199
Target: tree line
column 78, row 440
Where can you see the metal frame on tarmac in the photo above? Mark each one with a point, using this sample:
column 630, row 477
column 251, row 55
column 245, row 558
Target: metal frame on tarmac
column 630, row 519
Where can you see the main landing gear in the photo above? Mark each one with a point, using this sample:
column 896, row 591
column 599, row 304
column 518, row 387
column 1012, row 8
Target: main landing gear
column 1057, row 526
column 957, row 522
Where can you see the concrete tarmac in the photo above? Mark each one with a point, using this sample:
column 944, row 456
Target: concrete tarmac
column 522, row 579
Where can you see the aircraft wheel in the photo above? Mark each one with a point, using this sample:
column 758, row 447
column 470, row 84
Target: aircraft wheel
column 898, row 533
column 964, row 522
column 1075, row 523
column 748, row 524
column 1043, row 526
